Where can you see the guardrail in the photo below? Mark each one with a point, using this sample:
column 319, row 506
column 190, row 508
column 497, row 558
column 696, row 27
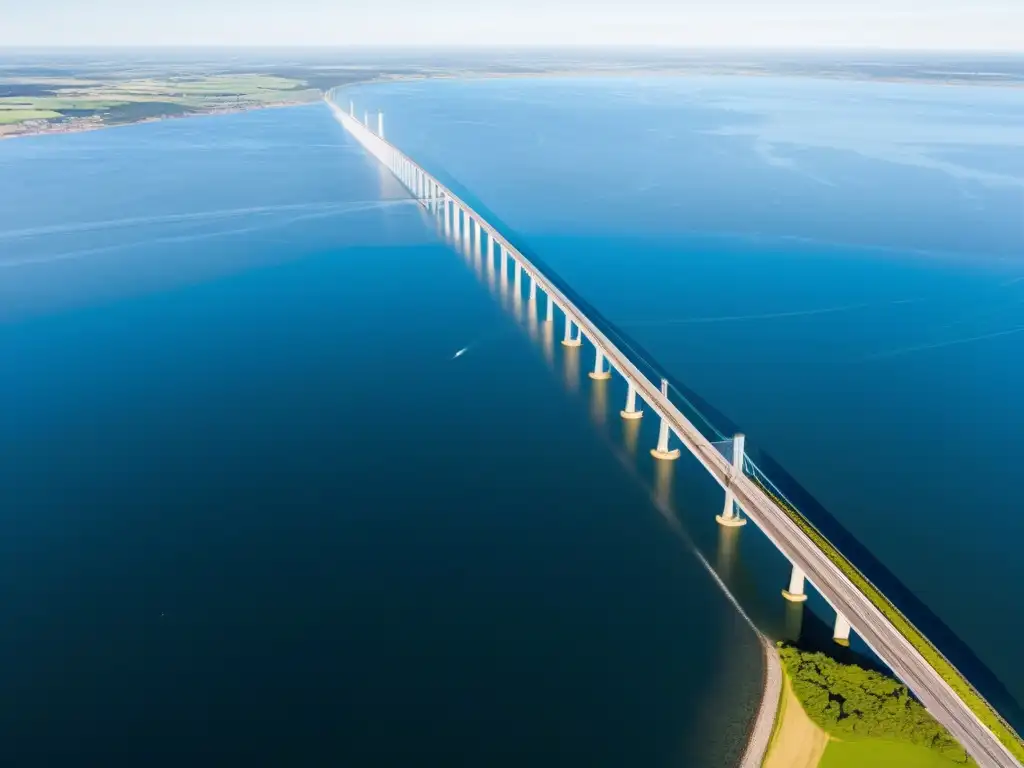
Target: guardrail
column 945, row 691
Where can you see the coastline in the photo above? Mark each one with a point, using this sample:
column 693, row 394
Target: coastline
column 98, row 126
column 763, row 727
column 485, row 75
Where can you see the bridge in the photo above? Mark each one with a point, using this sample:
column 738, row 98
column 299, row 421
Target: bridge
column 749, row 494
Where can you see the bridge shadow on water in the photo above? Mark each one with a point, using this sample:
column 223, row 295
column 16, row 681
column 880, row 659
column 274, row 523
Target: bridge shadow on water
column 798, row 624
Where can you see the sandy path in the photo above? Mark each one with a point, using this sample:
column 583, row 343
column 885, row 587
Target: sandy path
column 799, row 742
column 760, row 734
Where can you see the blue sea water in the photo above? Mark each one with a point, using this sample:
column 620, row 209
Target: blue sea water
column 837, row 267
column 254, row 511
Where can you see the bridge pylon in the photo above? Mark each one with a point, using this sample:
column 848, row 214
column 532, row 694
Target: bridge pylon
column 599, row 373
column 662, row 452
column 729, row 518
column 571, row 339
column 795, row 593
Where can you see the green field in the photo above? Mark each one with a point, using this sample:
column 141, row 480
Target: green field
column 14, row 116
column 856, row 705
column 881, row 754
column 129, row 100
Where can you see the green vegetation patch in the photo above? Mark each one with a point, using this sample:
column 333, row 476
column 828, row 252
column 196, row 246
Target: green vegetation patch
column 13, row 116
column 852, row 703
column 130, row 100
column 56, row 104
column 967, row 693
column 881, row 754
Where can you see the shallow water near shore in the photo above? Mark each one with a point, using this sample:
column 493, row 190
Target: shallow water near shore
column 254, row 509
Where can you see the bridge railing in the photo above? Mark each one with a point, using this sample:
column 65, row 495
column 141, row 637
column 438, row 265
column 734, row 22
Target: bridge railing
column 981, row 707
column 699, row 439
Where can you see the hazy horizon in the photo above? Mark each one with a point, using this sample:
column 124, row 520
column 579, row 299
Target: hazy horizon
column 910, row 25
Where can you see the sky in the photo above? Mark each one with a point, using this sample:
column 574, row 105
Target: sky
column 993, row 25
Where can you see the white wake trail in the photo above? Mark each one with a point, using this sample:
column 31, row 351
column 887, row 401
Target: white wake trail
column 941, row 344
column 83, row 253
column 198, row 216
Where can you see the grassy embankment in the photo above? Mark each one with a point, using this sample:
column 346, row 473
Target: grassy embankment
column 880, row 754
column 974, row 700
column 870, row 718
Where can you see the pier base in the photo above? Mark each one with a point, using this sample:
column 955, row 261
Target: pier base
column 631, row 414
column 602, row 376
column 795, row 593
column 665, row 455
column 729, row 518
column 572, row 342
column 841, row 633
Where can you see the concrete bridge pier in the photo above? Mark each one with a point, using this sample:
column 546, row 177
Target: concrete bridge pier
column 467, row 225
column 662, row 452
column 572, row 339
column 517, row 284
column 729, row 518
column 504, row 262
column 599, row 373
column 380, row 124
column 533, row 288
column 476, row 238
column 550, row 316
column 631, row 412
column 795, row 593
column 490, row 264
column 841, row 633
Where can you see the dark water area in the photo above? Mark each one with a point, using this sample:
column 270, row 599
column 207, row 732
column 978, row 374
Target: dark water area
column 834, row 266
column 255, row 511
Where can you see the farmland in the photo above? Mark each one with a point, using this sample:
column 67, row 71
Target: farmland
column 40, row 104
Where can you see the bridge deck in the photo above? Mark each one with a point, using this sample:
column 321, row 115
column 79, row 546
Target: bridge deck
column 877, row 631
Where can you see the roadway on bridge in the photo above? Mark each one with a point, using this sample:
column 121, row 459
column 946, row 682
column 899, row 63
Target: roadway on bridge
column 875, row 629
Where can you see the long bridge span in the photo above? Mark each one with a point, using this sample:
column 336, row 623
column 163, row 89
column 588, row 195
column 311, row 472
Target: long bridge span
column 858, row 604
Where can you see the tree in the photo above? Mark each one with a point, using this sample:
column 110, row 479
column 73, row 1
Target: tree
column 852, row 702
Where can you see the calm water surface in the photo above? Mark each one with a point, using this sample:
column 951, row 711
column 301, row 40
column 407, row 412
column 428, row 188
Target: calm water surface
column 253, row 509
column 838, row 267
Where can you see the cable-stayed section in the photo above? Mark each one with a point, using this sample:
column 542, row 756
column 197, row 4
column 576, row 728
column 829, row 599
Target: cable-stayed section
column 859, row 603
